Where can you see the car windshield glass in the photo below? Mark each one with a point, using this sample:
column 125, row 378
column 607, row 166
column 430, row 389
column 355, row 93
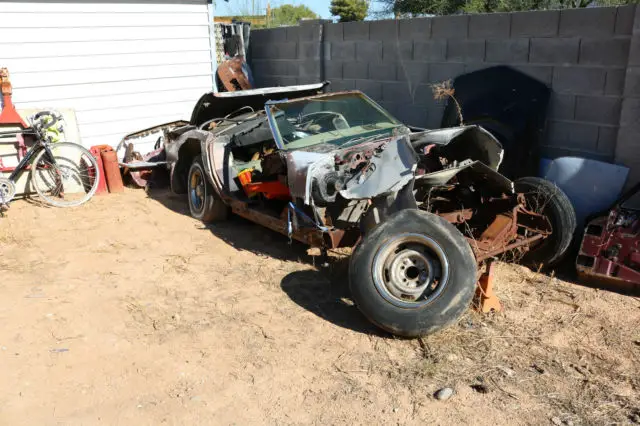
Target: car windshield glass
column 341, row 119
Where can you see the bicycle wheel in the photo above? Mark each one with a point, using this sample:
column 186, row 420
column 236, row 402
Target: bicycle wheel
column 69, row 179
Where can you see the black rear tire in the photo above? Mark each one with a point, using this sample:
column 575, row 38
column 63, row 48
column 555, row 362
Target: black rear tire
column 546, row 198
column 443, row 264
column 204, row 202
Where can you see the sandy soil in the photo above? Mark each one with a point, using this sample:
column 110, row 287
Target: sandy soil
column 127, row 311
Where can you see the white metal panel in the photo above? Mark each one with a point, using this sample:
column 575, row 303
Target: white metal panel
column 26, row 65
column 97, row 90
column 38, row 20
column 121, row 65
column 68, row 78
column 27, row 35
column 52, row 51
column 88, row 6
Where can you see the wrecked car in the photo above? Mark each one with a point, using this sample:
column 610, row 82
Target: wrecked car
column 420, row 208
column 609, row 255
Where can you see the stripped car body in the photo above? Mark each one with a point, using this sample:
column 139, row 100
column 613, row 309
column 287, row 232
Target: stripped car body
column 336, row 170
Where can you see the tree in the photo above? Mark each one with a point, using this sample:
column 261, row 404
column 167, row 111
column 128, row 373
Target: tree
column 288, row 14
column 350, row 10
column 448, row 7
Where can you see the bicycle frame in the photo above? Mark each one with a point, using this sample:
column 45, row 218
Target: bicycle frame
column 31, row 153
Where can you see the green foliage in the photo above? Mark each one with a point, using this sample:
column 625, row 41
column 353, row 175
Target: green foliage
column 288, row 14
column 425, row 7
column 350, row 10
column 448, row 7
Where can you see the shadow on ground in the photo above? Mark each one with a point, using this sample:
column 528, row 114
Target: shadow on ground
column 322, row 291
column 326, row 294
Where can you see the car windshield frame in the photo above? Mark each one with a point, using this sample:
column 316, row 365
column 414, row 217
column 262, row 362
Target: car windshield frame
column 274, row 111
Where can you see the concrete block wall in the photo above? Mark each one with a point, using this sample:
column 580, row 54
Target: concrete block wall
column 590, row 58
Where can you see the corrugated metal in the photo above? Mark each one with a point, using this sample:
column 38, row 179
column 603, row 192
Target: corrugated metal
column 121, row 65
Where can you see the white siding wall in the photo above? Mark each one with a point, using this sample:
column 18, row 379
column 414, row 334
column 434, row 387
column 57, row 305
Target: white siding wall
column 121, row 65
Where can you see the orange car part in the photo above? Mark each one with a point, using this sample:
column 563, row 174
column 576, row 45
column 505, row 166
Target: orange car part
column 275, row 190
column 485, row 299
column 271, row 190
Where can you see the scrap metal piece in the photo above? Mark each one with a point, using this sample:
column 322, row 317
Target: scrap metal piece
column 386, row 173
column 485, row 299
column 610, row 250
column 9, row 115
column 232, row 75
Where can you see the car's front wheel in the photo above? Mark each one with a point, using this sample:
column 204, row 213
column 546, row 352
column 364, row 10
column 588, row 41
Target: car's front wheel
column 204, row 202
column 413, row 274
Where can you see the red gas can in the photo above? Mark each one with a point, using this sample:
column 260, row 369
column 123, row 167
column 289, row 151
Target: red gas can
column 112, row 170
column 102, row 181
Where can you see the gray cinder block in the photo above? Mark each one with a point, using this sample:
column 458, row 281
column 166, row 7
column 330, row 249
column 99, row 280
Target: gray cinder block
column 465, row 50
column 608, row 52
column 506, row 51
column 415, row 28
column 443, row 72
column 554, row 50
column 562, row 107
column 356, row 30
column 581, row 81
column 490, row 25
column 373, row 89
column 396, row 50
column 432, row 50
column 624, row 19
column 343, row 50
column 598, row 109
column 353, row 69
column 308, row 50
column 368, row 50
column 382, row 71
column 535, row 24
column 452, row 26
column 589, row 22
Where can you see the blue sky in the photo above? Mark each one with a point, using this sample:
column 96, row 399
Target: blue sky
column 236, row 7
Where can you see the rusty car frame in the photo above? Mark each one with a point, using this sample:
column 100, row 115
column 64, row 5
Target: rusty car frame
column 420, row 208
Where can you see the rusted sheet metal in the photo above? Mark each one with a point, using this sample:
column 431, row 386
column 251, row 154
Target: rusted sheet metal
column 484, row 255
column 459, row 216
column 310, row 236
column 499, row 232
column 610, row 252
column 503, row 234
column 232, row 75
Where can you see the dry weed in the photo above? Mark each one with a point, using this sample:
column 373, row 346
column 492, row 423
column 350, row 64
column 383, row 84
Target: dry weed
column 444, row 90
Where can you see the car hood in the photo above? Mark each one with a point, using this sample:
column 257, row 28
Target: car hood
column 216, row 105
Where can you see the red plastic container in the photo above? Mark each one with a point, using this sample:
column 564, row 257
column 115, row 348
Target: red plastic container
column 112, row 170
column 102, row 181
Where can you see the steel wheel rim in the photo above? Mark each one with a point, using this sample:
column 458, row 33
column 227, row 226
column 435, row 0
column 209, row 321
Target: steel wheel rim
column 196, row 190
column 7, row 190
column 410, row 270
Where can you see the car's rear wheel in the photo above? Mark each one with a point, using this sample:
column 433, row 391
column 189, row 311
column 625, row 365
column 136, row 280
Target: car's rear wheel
column 204, row 202
column 413, row 274
column 546, row 198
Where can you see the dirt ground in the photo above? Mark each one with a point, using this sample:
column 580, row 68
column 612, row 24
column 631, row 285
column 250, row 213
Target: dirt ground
column 127, row 311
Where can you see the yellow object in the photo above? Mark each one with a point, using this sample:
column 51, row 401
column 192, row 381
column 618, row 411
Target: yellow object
column 244, row 177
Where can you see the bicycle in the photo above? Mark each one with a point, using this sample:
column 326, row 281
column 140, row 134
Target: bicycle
column 64, row 174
